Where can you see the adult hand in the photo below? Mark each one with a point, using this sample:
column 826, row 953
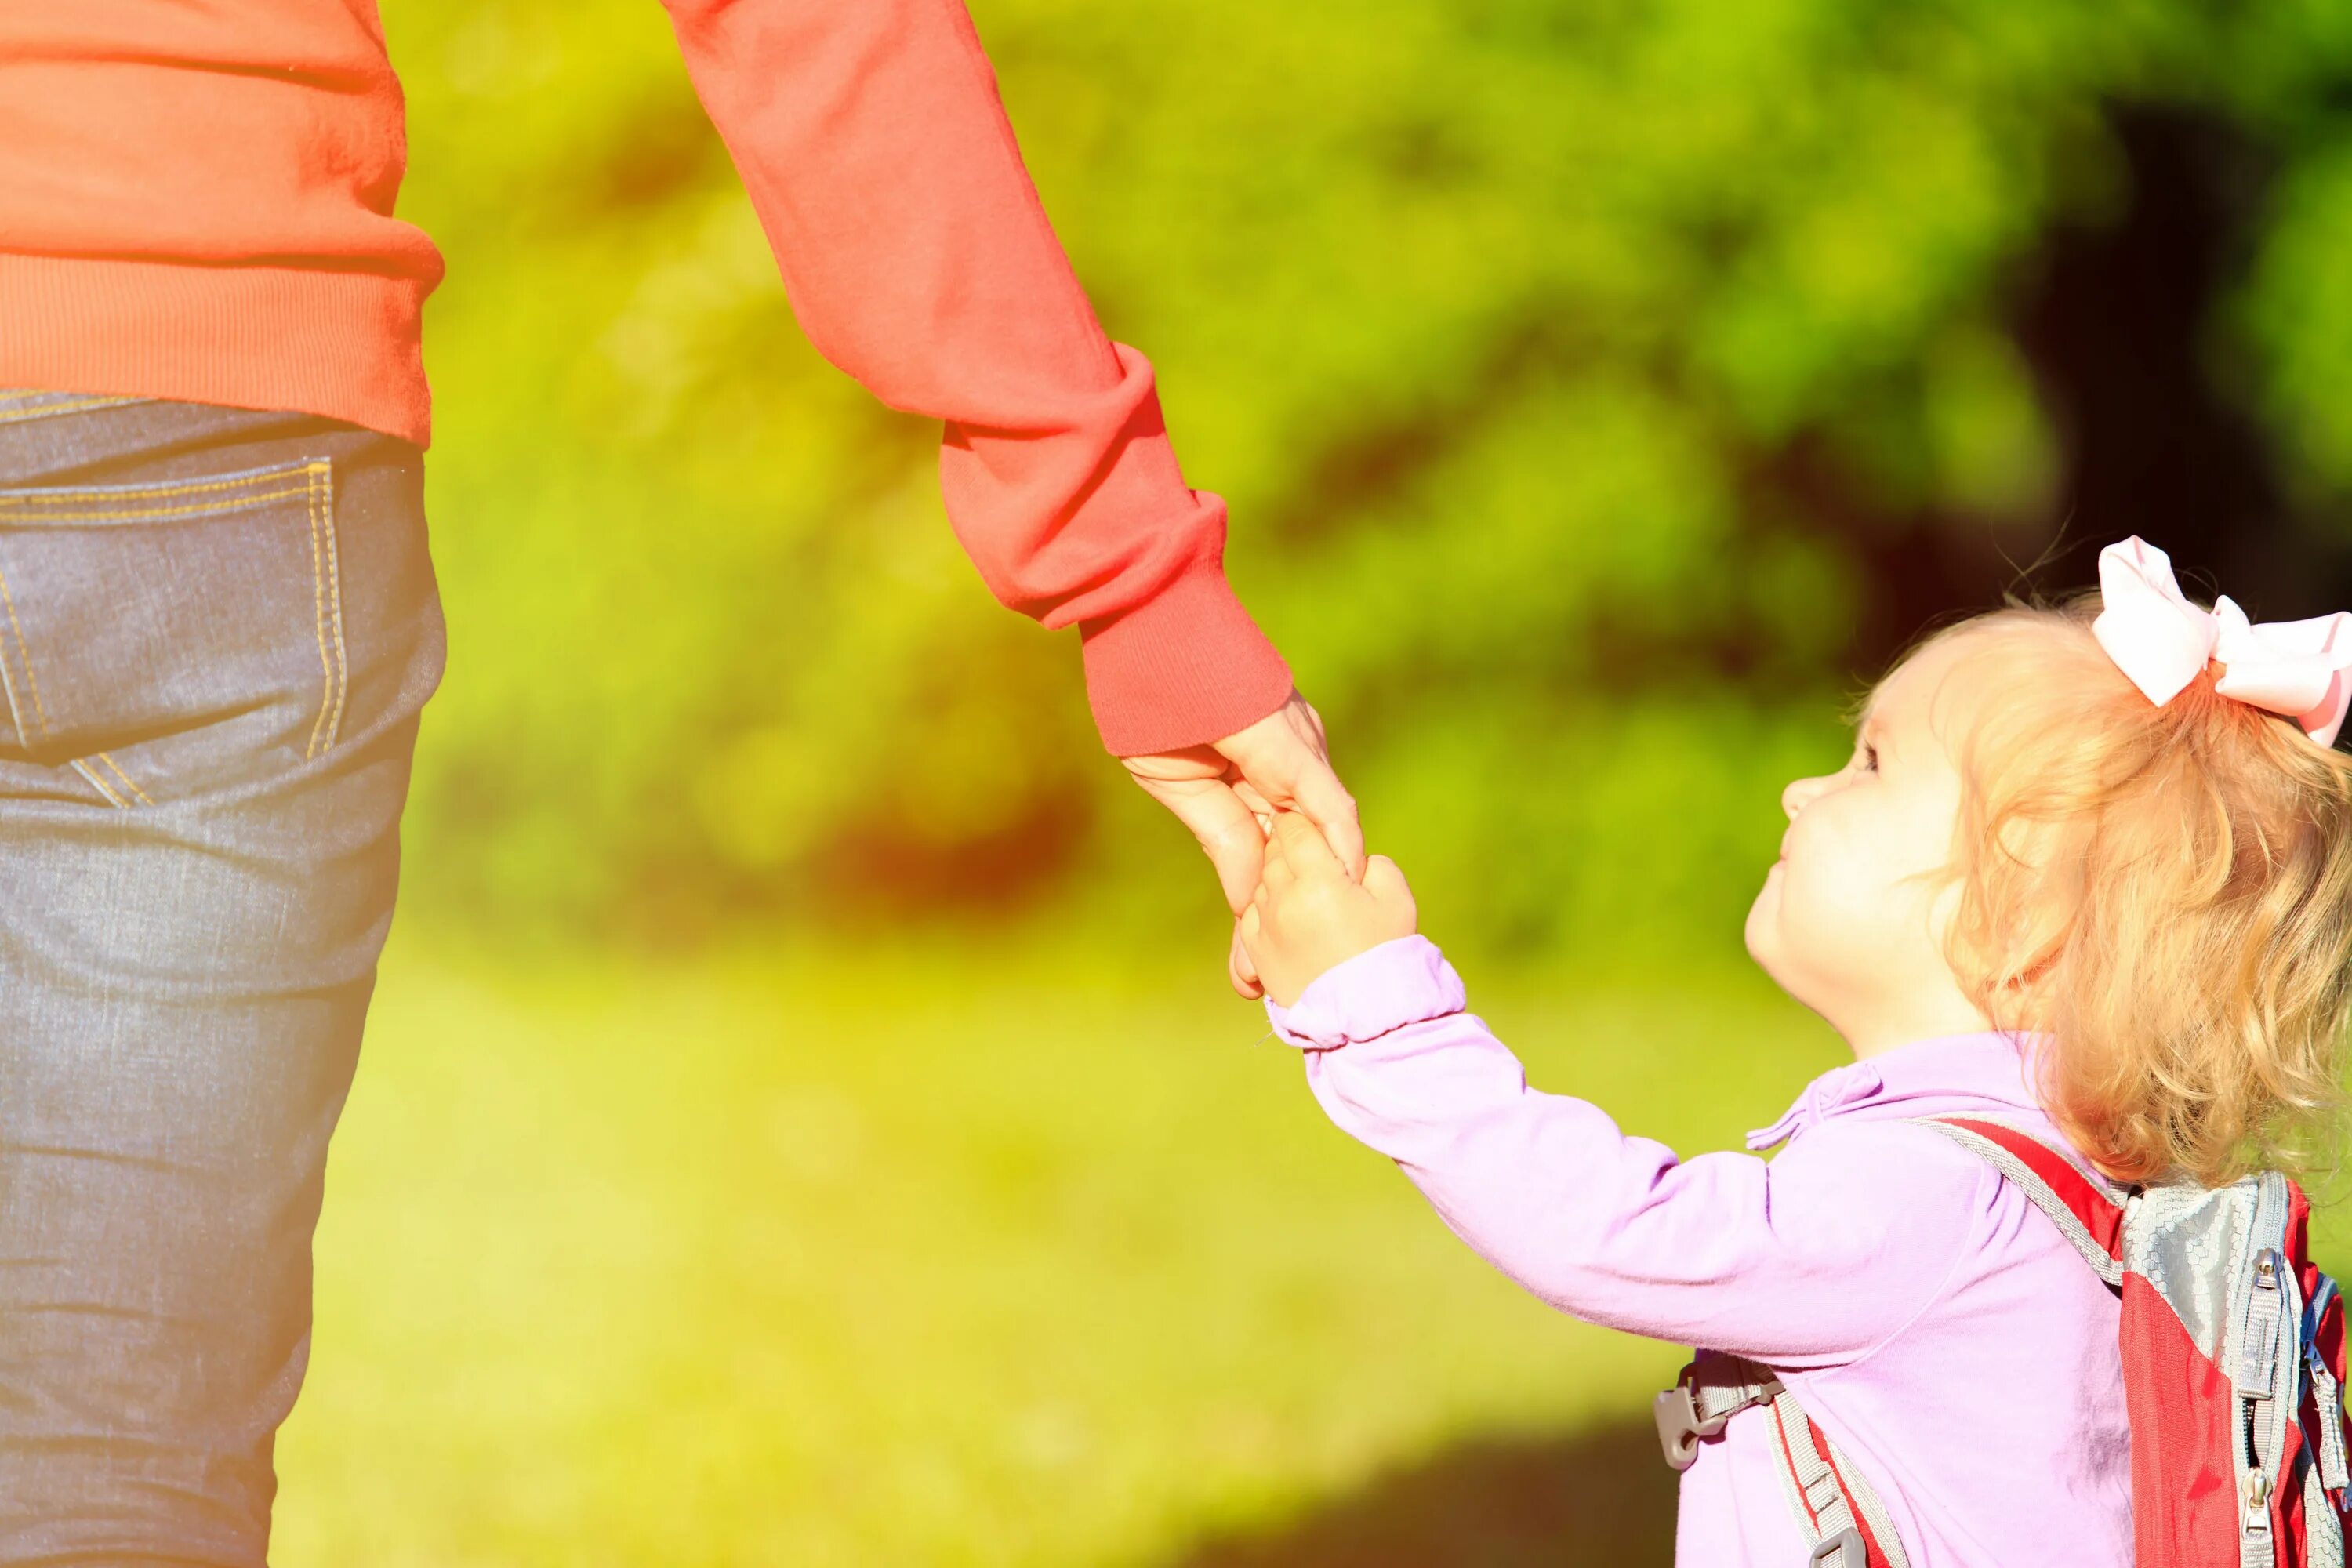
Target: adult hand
column 1227, row 794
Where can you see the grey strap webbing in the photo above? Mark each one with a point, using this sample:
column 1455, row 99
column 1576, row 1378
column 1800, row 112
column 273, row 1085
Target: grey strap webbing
column 2269, row 1374
column 1816, row 1477
column 2335, row 1473
column 2323, row 1536
column 2037, row 1191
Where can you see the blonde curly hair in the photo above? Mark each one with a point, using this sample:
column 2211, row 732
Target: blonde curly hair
column 2165, row 892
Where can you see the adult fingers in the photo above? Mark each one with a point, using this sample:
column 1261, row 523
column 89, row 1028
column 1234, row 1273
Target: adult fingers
column 1284, row 759
column 1260, row 807
column 1226, row 830
column 1321, row 797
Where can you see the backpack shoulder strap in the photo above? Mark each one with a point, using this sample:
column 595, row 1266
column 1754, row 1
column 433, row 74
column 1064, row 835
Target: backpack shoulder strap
column 1839, row 1513
column 2087, row 1216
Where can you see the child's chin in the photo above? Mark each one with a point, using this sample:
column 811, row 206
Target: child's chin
column 1761, row 933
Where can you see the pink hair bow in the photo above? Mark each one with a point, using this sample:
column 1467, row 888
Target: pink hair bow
column 2161, row 641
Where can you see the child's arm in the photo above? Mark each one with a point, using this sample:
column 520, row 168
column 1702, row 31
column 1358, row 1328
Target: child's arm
column 1811, row 1260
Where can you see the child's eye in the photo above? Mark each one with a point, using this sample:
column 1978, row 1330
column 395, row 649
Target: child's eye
column 1870, row 759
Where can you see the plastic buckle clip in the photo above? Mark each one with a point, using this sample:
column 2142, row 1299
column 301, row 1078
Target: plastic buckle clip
column 1680, row 1426
column 1846, row 1549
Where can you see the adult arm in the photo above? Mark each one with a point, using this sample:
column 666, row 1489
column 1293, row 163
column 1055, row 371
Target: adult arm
column 918, row 259
column 1811, row 1260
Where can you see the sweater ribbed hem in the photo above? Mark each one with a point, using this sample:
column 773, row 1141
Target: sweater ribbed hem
column 1185, row 668
column 343, row 345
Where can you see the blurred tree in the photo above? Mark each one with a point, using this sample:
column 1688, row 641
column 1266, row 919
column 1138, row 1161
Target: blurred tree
column 1602, row 391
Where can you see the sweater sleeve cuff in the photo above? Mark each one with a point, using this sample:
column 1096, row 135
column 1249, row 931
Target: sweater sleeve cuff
column 1380, row 989
column 1186, row 667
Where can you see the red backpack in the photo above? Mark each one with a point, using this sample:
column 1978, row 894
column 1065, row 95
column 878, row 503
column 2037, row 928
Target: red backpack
column 2233, row 1347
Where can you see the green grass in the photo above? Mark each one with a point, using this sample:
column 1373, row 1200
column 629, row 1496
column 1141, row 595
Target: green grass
column 925, row 1259
column 931, row 1259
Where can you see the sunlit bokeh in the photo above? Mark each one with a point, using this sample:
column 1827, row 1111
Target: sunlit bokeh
column 803, row 1121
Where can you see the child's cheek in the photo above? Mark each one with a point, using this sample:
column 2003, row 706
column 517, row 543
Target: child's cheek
column 1834, row 897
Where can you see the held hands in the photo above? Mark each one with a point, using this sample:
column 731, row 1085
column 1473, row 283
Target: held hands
column 1227, row 794
column 1309, row 914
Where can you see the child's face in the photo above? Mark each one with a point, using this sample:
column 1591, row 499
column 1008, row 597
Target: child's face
column 1849, row 921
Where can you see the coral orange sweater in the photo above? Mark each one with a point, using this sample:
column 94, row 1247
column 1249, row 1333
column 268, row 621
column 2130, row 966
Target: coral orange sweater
column 196, row 203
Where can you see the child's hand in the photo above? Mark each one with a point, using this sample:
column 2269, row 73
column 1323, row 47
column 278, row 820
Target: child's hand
column 1309, row 915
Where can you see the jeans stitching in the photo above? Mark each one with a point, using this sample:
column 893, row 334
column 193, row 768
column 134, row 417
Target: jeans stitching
column 98, row 783
column 116, row 769
column 35, row 501
column 24, row 657
column 326, row 481
column 71, row 406
column 64, row 405
column 192, row 508
column 8, row 685
column 318, row 610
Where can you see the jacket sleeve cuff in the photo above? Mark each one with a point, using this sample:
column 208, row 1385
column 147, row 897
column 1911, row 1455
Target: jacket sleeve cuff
column 1379, row 989
column 1186, row 667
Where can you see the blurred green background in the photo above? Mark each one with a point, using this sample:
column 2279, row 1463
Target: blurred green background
column 802, row 1122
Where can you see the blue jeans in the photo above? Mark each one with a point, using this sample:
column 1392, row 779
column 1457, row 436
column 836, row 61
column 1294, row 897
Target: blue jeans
column 217, row 629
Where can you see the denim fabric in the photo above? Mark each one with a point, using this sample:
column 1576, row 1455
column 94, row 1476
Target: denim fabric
column 217, row 629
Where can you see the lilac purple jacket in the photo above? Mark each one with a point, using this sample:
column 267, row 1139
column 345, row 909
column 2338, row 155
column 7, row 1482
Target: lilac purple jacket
column 1920, row 1309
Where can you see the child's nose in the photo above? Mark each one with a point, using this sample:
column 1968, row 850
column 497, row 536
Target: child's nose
column 1794, row 797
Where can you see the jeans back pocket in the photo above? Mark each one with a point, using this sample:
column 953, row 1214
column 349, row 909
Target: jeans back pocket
column 132, row 613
